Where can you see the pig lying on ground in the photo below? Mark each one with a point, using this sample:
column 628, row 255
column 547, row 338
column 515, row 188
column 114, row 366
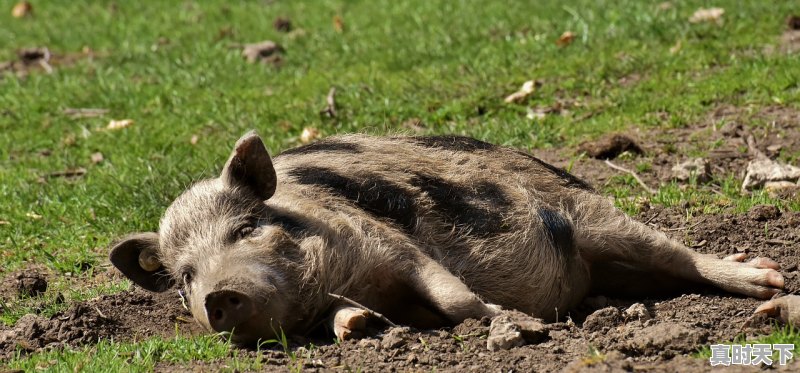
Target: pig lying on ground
column 428, row 231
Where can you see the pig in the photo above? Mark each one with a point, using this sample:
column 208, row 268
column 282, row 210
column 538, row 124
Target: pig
column 428, row 231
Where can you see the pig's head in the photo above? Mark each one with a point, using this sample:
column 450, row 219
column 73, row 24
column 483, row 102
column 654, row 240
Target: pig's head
column 238, row 272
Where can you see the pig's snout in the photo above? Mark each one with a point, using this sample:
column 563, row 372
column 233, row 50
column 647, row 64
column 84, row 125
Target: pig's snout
column 228, row 309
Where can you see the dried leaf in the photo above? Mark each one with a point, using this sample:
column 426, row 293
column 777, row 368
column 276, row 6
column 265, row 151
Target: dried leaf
column 75, row 172
column 676, row 48
column 565, row 39
column 33, row 215
column 538, row 113
column 119, row 124
column 338, row 24
column 526, row 90
column 84, row 112
column 309, row 134
column 282, row 24
column 97, row 158
column 22, row 9
column 707, row 15
column 194, row 139
column 266, row 52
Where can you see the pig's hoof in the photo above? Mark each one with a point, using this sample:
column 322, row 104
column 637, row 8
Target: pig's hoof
column 760, row 262
column 350, row 323
column 757, row 277
column 786, row 309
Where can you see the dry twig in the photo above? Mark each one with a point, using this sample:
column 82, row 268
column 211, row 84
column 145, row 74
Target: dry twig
column 682, row 228
column 330, row 108
column 359, row 305
column 630, row 172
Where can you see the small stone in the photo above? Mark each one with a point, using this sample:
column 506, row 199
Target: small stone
column 513, row 329
column 503, row 334
column 762, row 171
column 637, row 311
column 695, row 167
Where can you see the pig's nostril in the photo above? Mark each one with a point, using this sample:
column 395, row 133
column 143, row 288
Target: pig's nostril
column 227, row 309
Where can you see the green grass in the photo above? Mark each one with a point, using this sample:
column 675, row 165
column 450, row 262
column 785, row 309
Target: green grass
column 172, row 68
column 141, row 356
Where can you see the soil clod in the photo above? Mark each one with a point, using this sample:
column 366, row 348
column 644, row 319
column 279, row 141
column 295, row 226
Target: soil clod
column 31, row 284
column 610, row 147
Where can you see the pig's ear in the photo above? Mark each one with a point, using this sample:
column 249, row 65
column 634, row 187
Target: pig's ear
column 136, row 257
column 250, row 167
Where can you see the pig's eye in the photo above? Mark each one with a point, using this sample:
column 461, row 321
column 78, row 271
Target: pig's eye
column 244, row 232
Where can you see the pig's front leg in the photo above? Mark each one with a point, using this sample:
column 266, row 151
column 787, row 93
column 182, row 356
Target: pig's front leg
column 447, row 292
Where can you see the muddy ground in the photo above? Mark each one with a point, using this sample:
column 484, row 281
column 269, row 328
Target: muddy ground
column 661, row 339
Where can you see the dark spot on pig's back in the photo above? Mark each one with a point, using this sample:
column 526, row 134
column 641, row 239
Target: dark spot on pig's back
column 570, row 180
column 378, row 196
column 454, row 143
column 479, row 207
column 325, row 146
column 558, row 229
column 291, row 225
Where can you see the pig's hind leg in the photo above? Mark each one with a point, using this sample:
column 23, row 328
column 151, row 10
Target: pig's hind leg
column 606, row 235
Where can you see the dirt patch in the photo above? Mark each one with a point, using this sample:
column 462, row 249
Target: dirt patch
column 609, row 147
column 128, row 315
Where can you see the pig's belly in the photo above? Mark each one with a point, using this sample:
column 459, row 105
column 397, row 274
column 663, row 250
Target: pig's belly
column 542, row 288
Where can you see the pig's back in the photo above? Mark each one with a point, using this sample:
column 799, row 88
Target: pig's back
column 470, row 205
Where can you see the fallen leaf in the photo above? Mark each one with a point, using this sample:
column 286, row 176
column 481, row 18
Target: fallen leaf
column 793, row 22
column 22, row 9
column 537, row 113
column 33, row 215
column 119, row 124
column 676, row 48
column 338, row 24
column 194, row 139
column 36, row 56
column 309, row 134
column 526, row 90
column 330, row 104
column 74, row 172
column 97, row 157
column 707, row 15
column 282, row 24
column 266, row 52
column 5, row 222
column 84, row 112
column 565, row 39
